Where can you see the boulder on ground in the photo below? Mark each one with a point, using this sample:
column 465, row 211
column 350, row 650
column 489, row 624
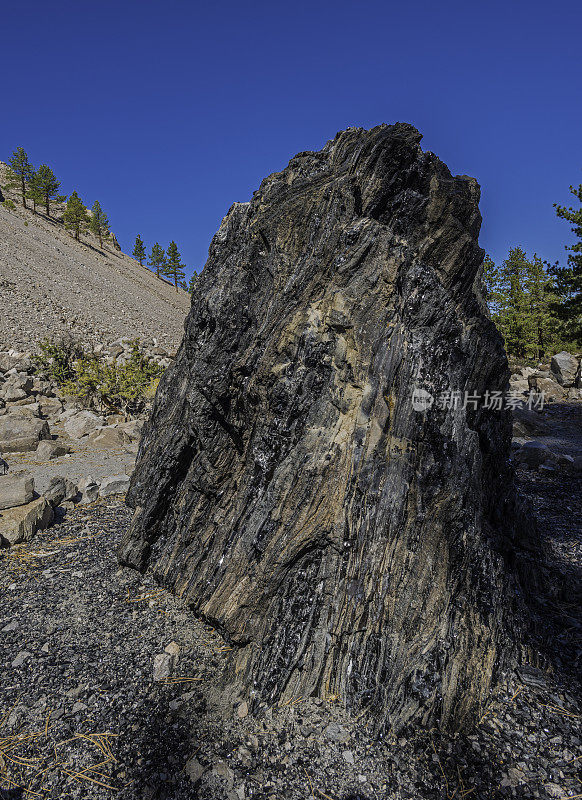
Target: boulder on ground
column 116, row 484
column 21, row 523
column 29, row 410
column 18, row 434
column 564, row 367
column 551, row 390
column 528, row 423
column 60, row 490
column 132, row 429
column 517, row 383
column 289, row 488
column 47, row 450
column 13, row 393
column 15, row 490
column 43, row 388
column 17, row 381
column 108, row 436
column 13, row 360
column 533, row 454
column 82, row 423
column 50, row 406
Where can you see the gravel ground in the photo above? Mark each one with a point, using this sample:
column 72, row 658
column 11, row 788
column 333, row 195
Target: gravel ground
column 82, row 717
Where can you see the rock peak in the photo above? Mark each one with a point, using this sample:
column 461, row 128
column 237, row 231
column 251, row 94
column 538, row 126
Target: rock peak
column 287, row 488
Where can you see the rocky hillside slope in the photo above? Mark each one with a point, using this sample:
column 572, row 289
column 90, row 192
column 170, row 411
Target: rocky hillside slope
column 50, row 284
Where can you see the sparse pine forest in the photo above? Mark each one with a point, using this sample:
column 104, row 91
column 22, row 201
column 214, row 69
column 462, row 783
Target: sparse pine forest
column 167, row 264
column 38, row 188
column 536, row 306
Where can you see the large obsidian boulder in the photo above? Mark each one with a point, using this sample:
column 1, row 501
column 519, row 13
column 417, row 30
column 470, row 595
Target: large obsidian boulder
column 346, row 540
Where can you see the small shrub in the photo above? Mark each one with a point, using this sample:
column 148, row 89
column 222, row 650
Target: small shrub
column 57, row 358
column 9, row 204
column 86, row 375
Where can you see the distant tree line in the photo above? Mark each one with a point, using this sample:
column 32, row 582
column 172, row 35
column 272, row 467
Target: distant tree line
column 537, row 307
column 165, row 263
column 41, row 187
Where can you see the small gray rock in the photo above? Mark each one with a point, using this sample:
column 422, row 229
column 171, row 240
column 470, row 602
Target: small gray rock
column 116, row 484
column 163, row 663
column 194, row 769
column 82, row 423
column 336, row 732
column 59, row 490
column 23, row 656
column 89, row 489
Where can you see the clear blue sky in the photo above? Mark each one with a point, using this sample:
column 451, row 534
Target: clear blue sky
column 167, row 112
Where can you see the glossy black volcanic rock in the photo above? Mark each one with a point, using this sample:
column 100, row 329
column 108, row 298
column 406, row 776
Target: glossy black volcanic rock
column 345, row 543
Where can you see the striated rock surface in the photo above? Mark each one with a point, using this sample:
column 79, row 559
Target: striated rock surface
column 287, row 488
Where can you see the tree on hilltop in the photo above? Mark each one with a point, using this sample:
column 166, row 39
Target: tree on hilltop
column 75, row 216
column 98, row 222
column 157, row 259
column 174, row 268
column 569, row 279
column 139, row 251
column 21, row 171
column 47, row 185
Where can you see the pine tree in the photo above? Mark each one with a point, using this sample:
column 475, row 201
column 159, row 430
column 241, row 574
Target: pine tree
column 139, row 251
column 513, row 308
column 520, row 297
column 75, row 215
column 569, row 279
column 157, row 259
column 47, row 185
column 21, row 171
column 34, row 191
column 192, row 284
column 98, row 222
column 174, row 268
column 542, row 324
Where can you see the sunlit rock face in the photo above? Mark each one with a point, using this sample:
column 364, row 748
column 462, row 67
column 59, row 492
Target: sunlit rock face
column 345, row 540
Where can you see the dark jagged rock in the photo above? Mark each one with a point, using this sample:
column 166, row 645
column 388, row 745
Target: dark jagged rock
column 344, row 543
